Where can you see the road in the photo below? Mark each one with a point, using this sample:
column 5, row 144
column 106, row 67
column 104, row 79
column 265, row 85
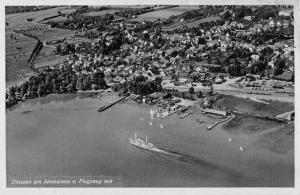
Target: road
column 226, row 89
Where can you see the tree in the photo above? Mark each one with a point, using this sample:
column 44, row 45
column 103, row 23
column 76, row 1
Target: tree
column 234, row 70
column 226, row 15
column 86, row 84
column 79, row 84
column 199, row 94
column 71, row 47
column 258, row 67
column 64, row 48
column 58, row 49
column 277, row 71
column 266, row 12
column 191, row 90
column 242, row 12
column 279, row 65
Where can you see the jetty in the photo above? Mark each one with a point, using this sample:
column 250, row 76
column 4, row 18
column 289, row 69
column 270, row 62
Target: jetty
column 222, row 121
column 102, row 108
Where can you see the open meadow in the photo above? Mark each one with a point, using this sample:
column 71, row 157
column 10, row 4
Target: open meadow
column 162, row 14
column 19, row 20
column 99, row 13
column 128, row 6
column 17, row 52
column 193, row 23
column 19, row 49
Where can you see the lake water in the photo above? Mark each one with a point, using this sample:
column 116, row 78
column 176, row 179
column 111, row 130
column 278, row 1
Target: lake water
column 64, row 135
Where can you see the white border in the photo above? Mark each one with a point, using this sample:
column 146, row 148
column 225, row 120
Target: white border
column 174, row 191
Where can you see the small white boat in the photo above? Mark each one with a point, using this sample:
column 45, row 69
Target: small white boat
column 152, row 112
column 229, row 139
column 150, row 123
column 161, row 126
column 241, row 149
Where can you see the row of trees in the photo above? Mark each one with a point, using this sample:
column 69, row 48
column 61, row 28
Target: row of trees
column 58, row 81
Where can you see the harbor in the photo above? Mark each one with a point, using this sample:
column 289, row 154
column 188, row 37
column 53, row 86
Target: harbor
column 85, row 143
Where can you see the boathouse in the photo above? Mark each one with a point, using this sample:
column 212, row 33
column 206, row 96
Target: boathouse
column 215, row 112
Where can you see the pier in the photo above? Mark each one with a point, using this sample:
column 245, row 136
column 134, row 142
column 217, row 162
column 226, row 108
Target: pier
column 222, row 121
column 111, row 104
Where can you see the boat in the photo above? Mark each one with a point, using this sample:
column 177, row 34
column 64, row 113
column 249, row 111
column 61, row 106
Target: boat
column 200, row 121
column 144, row 144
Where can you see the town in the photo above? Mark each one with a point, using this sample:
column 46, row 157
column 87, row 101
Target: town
column 247, row 43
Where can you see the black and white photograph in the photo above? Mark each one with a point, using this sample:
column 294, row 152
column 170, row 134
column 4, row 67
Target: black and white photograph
column 150, row 95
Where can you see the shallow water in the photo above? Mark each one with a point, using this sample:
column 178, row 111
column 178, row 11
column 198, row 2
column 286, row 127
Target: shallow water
column 64, row 135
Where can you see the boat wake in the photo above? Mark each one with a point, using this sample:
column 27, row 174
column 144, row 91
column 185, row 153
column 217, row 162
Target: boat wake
column 189, row 159
column 171, row 154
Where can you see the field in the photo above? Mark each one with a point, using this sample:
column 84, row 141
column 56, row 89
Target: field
column 128, row 6
column 19, row 20
column 194, row 23
column 99, row 13
column 165, row 13
column 67, row 10
column 47, row 57
column 49, row 61
column 184, row 8
column 17, row 54
column 18, row 51
column 160, row 14
column 48, row 34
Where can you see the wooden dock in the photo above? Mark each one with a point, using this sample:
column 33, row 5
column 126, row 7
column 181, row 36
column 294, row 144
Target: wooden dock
column 222, row 121
column 110, row 105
